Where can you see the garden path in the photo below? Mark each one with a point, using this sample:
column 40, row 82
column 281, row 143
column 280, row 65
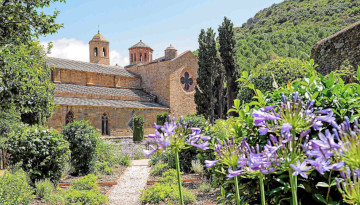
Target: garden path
column 127, row 191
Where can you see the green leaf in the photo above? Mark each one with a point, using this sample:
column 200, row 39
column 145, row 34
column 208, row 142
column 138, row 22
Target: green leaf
column 358, row 73
column 320, row 198
column 237, row 103
column 222, row 191
column 245, row 74
column 251, row 86
column 322, row 184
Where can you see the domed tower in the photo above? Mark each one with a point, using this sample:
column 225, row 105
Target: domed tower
column 140, row 53
column 99, row 50
column 170, row 53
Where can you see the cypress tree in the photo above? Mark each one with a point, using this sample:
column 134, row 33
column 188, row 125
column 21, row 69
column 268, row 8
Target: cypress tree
column 208, row 75
column 227, row 52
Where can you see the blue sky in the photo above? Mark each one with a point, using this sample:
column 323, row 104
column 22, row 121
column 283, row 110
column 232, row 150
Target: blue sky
column 158, row 23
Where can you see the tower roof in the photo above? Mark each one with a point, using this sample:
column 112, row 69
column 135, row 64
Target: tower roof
column 171, row 47
column 140, row 44
column 98, row 37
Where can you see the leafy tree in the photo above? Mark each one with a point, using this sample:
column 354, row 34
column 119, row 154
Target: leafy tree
column 25, row 86
column 208, row 75
column 227, row 52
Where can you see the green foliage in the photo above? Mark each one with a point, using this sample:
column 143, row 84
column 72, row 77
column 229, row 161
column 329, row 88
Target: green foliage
column 83, row 139
column 166, row 190
column 271, row 75
column 84, row 191
column 197, row 167
column 87, row 182
column 44, row 188
column 163, row 158
column 159, row 169
column 43, row 152
column 55, row 199
column 124, row 160
column 15, row 189
column 161, row 118
column 207, row 91
column 290, row 29
column 227, row 52
column 138, row 128
column 106, row 156
column 204, row 187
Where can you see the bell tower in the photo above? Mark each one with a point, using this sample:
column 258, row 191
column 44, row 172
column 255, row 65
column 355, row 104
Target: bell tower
column 99, row 50
column 140, row 53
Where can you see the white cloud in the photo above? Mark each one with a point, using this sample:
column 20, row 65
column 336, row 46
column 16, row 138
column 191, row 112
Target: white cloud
column 78, row 50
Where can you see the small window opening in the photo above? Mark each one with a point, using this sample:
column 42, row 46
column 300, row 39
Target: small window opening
column 69, row 117
column 95, row 52
column 145, row 57
column 135, row 57
column 104, row 52
column 131, row 58
column 141, row 58
column 105, row 125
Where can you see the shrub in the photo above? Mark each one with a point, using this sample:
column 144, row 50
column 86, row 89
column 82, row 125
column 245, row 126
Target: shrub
column 138, row 128
column 197, row 167
column 166, row 190
column 15, row 189
column 205, row 187
column 42, row 151
column 106, row 156
column 164, row 157
column 161, row 118
column 280, row 70
column 44, row 188
column 84, row 191
column 83, row 139
column 55, row 199
column 124, row 160
column 87, row 182
column 159, row 169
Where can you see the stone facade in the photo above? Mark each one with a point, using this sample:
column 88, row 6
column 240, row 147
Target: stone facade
column 332, row 52
column 90, row 91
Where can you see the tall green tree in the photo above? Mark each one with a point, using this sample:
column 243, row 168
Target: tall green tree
column 25, row 86
column 227, row 52
column 206, row 92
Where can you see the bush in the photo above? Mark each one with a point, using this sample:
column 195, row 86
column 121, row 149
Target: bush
column 85, row 191
column 106, row 156
column 159, row 169
column 138, row 128
column 44, row 188
column 87, row 182
column 282, row 70
column 42, row 151
column 205, row 187
column 162, row 118
column 124, row 160
column 166, row 190
column 83, row 139
column 197, row 167
column 55, row 199
column 15, row 189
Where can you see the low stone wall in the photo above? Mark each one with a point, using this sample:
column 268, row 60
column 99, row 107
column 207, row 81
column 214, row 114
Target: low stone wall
column 331, row 52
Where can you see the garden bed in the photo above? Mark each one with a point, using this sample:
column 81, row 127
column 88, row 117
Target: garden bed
column 106, row 182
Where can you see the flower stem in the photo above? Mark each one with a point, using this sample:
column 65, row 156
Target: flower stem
column 328, row 193
column 178, row 177
column 293, row 184
column 237, row 190
column 262, row 190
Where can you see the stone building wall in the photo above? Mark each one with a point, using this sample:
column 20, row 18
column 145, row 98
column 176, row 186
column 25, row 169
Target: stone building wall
column 182, row 101
column 119, row 118
column 96, row 79
column 331, row 52
column 98, row 96
column 155, row 79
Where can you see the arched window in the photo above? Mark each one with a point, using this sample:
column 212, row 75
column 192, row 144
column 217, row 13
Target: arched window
column 145, row 57
column 141, row 58
column 95, row 52
column 135, row 57
column 105, row 125
column 69, row 117
column 131, row 59
column 104, row 52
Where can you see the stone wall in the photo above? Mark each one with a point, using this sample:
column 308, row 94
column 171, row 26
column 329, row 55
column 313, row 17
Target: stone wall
column 155, row 79
column 331, row 52
column 119, row 118
column 96, row 79
column 182, row 101
column 99, row 96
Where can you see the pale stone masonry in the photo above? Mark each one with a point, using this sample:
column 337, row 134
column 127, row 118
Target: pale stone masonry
column 109, row 96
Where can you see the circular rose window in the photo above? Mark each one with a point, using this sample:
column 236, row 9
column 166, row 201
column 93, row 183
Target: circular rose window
column 187, row 81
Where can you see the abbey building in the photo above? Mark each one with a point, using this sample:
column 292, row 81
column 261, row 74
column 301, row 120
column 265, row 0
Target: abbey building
column 109, row 96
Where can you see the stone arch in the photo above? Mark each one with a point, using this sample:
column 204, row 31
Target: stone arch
column 69, row 117
column 105, row 125
column 95, row 51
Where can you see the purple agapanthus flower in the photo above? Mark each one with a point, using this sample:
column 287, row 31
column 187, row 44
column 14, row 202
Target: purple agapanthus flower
column 233, row 174
column 209, row 163
column 300, row 168
column 286, row 127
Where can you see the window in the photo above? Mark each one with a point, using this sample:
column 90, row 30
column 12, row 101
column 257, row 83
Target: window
column 104, row 52
column 69, row 117
column 95, row 52
column 135, row 57
column 141, row 58
column 105, row 124
column 145, row 57
column 131, row 59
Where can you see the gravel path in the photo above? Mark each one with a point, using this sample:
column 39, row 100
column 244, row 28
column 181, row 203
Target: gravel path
column 127, row 191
